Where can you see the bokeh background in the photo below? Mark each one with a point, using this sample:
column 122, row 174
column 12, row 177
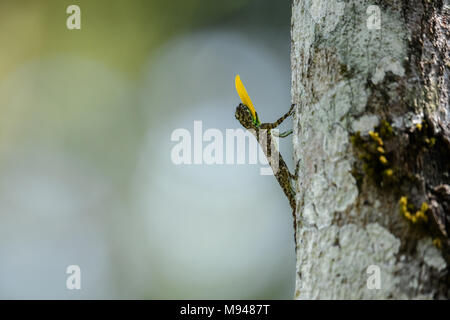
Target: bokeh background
column 86, row 176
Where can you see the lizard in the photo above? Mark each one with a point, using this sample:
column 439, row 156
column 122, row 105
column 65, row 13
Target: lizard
column 248, row 118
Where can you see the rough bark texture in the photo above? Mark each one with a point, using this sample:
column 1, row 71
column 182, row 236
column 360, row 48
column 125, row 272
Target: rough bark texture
column 372, row 132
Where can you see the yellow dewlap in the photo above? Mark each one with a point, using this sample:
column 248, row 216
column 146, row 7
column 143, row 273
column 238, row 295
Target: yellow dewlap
column 244, row 95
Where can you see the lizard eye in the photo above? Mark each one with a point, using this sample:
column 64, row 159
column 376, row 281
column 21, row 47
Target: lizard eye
column 244, row 96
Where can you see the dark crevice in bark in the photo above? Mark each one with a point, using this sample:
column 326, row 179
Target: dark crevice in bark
column 428, row 23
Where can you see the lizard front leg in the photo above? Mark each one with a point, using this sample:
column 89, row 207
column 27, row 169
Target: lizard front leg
column 275, row 124
column 283, row 134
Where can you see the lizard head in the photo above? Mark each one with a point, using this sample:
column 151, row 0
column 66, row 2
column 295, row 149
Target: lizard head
column 245, row 117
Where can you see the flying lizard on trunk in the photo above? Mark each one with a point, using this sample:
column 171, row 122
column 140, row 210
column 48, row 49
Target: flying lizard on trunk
column 248, row 118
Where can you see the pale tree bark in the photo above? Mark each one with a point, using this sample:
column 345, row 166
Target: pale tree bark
column 372, row 133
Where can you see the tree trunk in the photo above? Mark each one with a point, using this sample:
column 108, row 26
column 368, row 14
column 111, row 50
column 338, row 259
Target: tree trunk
column 370, row 80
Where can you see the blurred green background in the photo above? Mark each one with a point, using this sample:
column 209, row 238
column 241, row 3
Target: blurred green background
column 85, row 171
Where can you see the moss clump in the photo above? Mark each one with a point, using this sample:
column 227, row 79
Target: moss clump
column 422, row 137
column 386, row 130
column 372, row 153
column 378, row 161
column 400, row 161
column 437, row 243
column 407, row 211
